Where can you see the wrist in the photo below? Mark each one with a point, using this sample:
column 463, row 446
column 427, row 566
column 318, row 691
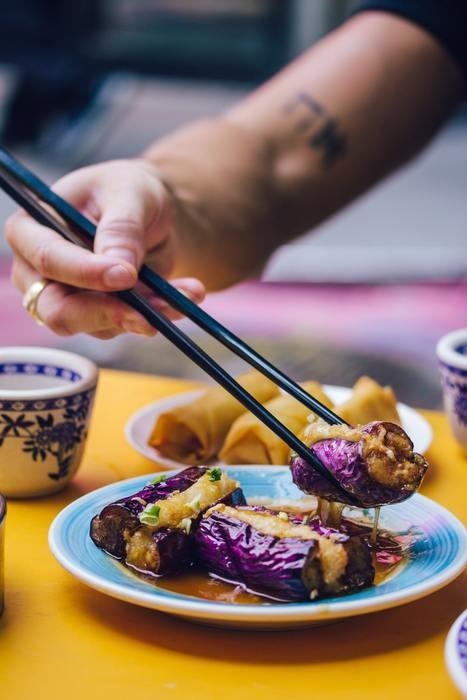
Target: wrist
column 219, row 180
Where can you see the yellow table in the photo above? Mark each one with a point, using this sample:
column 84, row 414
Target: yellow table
column 60, row 639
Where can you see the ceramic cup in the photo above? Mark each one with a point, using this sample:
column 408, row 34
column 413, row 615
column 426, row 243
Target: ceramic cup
column 452, row 357
column 2, row 550
column 46, row 399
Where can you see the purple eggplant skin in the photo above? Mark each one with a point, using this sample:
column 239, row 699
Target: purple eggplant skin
column 234, row 498
column 161, row 552
column 167, row 551
column 346, row 461
column 108, row 528
column 286, row 569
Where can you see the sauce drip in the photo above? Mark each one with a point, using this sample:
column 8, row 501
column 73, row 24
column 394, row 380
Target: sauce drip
column 374, row 530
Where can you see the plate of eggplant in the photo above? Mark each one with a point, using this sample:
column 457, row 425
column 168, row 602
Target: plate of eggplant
column 269, row 547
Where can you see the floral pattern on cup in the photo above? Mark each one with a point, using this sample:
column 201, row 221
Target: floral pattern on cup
column 46, row 400
column 460, row 408
column 455, row 391
column 43, row 435
column 462, row 643
column 452, row 357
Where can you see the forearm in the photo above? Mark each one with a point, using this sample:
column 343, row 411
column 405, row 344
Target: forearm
column 359, row 104
column 353, row 108
column 221, row 178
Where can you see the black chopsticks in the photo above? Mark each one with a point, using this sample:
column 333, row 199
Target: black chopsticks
column 18, row 182
column 169, row 293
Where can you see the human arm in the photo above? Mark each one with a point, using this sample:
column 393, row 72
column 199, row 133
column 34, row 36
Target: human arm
column 214, row 199
column 352, row 109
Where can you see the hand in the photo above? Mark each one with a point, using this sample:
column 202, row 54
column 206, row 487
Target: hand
column 134, row 214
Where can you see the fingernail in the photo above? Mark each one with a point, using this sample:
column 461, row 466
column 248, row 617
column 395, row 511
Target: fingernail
column 121, row 254
column 118, row 277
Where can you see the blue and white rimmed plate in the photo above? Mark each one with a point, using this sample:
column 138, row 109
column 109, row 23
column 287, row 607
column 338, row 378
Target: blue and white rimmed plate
column 141, row 423
column 455, row 653
column 436, row 541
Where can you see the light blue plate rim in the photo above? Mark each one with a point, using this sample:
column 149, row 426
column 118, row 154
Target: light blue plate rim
column 438, row 555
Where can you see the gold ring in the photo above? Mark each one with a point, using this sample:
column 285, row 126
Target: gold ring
column 31, row 299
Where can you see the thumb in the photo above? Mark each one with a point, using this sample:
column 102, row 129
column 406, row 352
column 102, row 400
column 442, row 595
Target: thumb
column 126, row 200
column 129, row 208
column 121, row 235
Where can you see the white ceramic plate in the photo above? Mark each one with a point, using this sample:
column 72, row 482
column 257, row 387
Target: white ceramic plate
column 436, row 541
column 455, row 653
column 141, row 423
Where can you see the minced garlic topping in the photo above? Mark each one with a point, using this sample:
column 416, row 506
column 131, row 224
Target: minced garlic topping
column 191, row 502
column 320, row 430
column 332, row 554
column 266, row 523
column 387, row 451
column 334, row 561
column 390, row 460
column 141, row 552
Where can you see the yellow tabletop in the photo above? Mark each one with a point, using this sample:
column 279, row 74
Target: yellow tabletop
column 60, row 639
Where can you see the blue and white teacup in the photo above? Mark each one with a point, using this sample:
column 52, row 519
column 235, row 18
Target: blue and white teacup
column 46, row 399
column 452, row 357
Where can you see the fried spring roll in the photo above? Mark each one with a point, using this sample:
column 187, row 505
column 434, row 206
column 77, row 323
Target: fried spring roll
column 369, row 402
column 249, row 441
column 276, row 555
column 151, row 530
column 194, row 433
column 374, row 462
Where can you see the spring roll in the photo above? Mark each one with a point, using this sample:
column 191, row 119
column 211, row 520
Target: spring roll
column 374, row 462
column 279, row 556
column 369, row 401
column 249, row 441
column 194, row 433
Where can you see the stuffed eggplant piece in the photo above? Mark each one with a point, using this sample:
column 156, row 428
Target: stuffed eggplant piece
column 278, row 556
column 373, row 462
column 151, row 531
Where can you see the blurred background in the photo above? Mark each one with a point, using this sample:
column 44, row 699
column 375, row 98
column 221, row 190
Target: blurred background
column 369, row 291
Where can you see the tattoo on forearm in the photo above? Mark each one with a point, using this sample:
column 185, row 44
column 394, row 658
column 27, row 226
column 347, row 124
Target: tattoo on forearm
column 322, row 132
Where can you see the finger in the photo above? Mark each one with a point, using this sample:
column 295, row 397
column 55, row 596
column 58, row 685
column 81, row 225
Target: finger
column 67, row 311
column 107, row 335
column 77, row 188
column 131, row 203
column 91, row 312
column 191, row 287
column 61, row 261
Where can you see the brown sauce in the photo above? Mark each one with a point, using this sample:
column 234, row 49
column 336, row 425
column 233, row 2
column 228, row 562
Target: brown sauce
column 199, row 584
column 389, row 557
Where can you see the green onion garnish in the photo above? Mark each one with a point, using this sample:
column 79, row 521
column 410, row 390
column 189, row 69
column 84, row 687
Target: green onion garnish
column 185, row 524
column 194, row 504
column 150, row 515
column 214, row 474
column 158, row 480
